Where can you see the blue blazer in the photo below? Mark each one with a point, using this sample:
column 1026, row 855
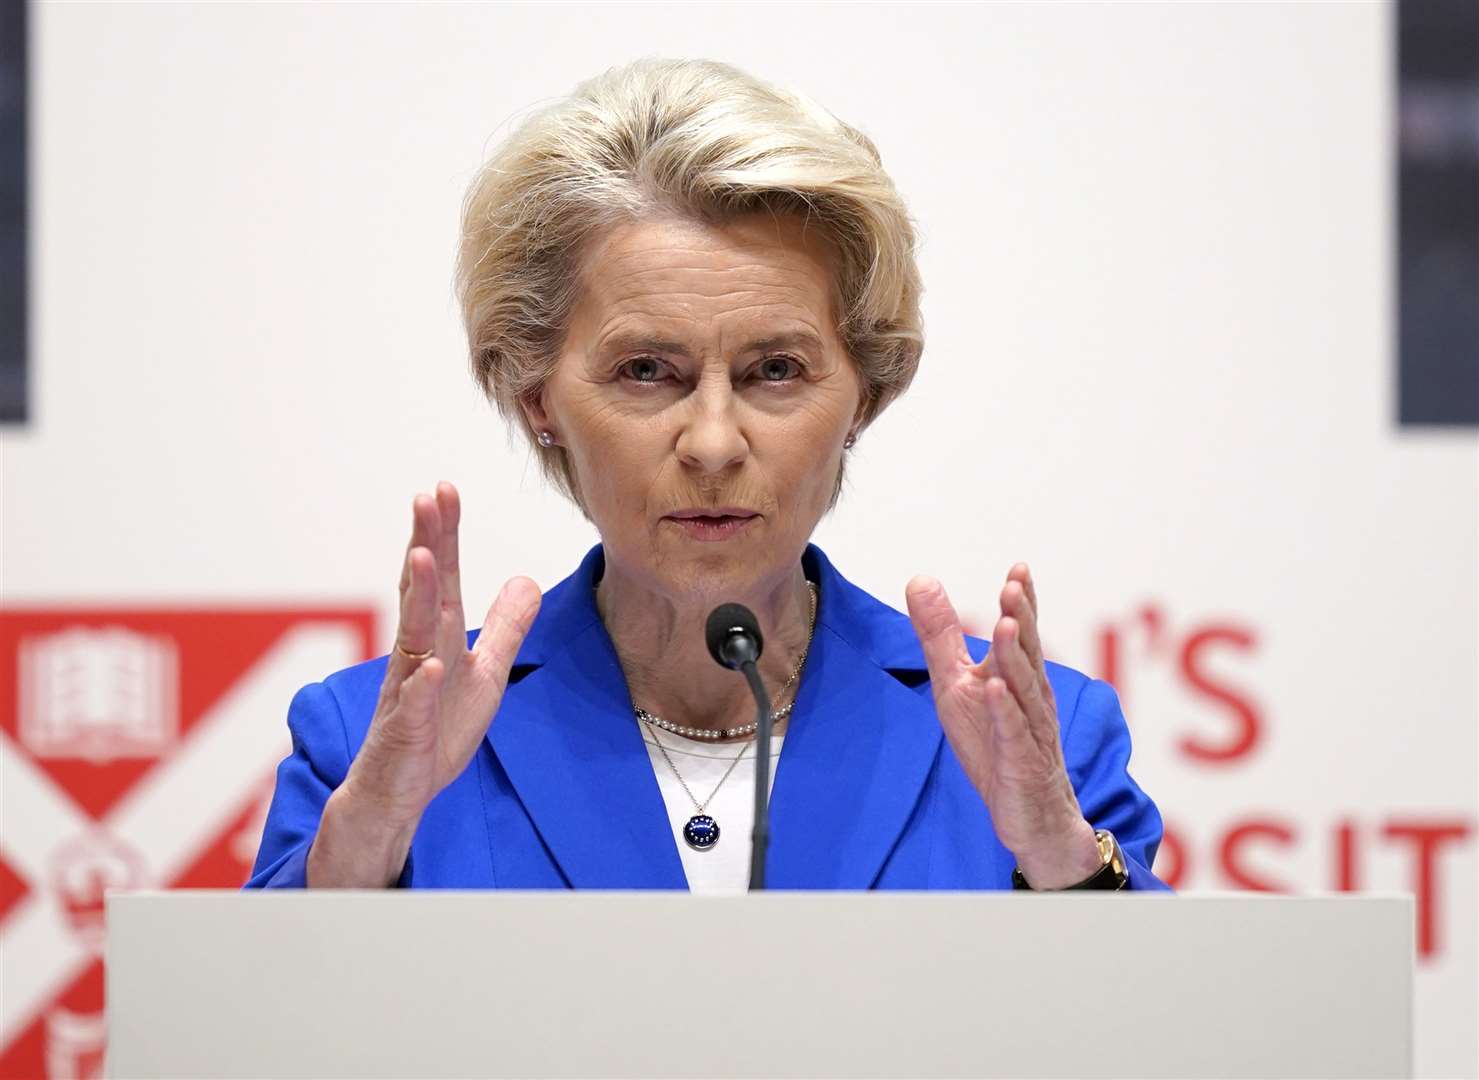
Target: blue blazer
column 868, row 793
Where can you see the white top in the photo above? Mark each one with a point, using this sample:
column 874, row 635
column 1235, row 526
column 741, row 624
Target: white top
column 725, row 867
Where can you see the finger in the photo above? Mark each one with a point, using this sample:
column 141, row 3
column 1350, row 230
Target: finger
column 937, row 625
column 1023, row 574
column 448, row 565
column 1016, row 603
column 426, row 523
column 424, row 530
column 1015, row 748
column 448, row 508
column 504, row 630
column 1021, row 677
column 425, row 534
column 417, row 630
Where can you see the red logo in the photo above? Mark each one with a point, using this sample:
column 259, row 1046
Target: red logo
column 137, row 750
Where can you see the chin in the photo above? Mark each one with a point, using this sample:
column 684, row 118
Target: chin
column 715, row 576
column 725, row 572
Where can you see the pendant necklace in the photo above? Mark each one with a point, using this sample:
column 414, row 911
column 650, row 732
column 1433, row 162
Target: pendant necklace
column 702, row 831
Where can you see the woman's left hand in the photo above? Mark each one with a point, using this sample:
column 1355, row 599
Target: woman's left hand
column 1002, row 722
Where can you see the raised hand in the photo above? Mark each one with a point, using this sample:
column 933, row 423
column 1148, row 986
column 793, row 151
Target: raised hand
column 435, row 704
column 1002, row 723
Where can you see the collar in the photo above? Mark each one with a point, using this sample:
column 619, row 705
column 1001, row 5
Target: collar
column 859, row 746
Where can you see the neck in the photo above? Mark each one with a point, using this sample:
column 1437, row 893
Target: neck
column 659, row 639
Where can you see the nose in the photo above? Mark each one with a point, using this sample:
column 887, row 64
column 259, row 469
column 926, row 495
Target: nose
column 710, row 439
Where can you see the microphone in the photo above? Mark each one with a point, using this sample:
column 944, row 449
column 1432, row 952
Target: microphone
column 733, row 636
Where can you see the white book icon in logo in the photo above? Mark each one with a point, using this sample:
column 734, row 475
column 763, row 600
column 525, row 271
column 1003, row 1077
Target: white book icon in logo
column 98, row 694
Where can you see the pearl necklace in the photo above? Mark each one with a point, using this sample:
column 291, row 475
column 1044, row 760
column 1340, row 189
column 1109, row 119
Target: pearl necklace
column 701, row 832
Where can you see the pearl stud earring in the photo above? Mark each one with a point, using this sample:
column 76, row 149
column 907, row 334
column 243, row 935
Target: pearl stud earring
column 546, row 440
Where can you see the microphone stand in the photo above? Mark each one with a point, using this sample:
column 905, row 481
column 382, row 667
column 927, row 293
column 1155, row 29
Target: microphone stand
column 733, row 636
column 760, row 837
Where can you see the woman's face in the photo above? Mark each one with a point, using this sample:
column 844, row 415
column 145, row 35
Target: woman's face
column 703, row 396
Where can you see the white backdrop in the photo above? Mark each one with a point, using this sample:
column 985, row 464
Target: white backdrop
column 1157, row 247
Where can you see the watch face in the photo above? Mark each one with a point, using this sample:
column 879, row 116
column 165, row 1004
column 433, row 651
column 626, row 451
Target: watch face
column 1109, row 850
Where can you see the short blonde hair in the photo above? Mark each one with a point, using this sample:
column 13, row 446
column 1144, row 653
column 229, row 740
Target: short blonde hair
column 697, row 138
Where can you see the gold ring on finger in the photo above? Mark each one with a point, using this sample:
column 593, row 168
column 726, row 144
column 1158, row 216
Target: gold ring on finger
column 417, row 656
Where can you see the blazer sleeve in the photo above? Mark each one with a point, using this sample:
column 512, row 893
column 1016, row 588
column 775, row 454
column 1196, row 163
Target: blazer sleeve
column 1096, row 747
column 317, row 765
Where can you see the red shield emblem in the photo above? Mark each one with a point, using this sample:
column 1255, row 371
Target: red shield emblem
column 137, row 750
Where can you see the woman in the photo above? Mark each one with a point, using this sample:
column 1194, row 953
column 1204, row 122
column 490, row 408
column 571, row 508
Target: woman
column 693, row 292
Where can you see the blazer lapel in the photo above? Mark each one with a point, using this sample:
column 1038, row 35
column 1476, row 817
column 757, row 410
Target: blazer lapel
column 859, row 749
column 566, row 738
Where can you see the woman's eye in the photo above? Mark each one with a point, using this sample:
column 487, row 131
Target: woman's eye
column 778, row 369
column 644, row 369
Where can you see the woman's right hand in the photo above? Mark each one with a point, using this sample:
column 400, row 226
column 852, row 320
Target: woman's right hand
column 432, row 713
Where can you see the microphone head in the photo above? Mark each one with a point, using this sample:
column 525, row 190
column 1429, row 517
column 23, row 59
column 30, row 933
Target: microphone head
column 733, row 635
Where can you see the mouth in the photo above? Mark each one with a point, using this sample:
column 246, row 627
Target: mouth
column 719, row 523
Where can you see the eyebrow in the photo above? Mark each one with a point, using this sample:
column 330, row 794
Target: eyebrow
column 622, row 342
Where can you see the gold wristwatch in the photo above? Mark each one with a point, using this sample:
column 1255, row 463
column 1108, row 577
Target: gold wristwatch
column 1113, row 873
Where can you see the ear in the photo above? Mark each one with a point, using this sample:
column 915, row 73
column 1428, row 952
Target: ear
column 533, row 407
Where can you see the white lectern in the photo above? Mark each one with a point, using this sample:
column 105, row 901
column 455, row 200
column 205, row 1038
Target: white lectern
column 294, row 984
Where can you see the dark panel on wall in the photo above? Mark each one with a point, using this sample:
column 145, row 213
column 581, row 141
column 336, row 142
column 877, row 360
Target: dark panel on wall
column 12, row 210
column 1438, row 211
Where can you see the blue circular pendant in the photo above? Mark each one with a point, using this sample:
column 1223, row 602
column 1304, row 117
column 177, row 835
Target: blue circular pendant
column 701, row 832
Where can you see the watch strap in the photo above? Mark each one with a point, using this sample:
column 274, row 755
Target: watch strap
column 1113, row 873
